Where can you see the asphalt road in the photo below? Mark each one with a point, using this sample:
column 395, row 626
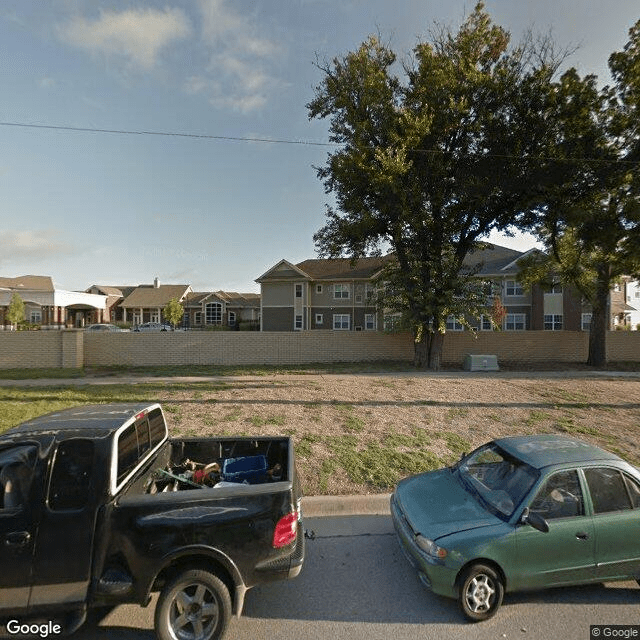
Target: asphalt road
column 357, row 585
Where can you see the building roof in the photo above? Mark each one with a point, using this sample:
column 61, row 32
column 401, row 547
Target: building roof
column 491, row 259
column 29, row 283
column 230, row 298
column 148, row 295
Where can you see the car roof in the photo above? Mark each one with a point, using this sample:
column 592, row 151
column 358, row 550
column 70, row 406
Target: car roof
column 97, row 420
column 548, row 449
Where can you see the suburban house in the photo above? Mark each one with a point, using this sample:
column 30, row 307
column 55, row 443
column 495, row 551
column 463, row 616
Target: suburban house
column 222, row 309
column 338, row 294
column 114, row 295
column 146, row 302
column 48, row 306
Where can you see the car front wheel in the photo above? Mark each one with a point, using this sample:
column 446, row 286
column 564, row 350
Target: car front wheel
column 194, row 606
column 481, row 592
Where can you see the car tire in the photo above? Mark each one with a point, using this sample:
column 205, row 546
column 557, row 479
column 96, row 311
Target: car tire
column 481, row 592
column 193, row 606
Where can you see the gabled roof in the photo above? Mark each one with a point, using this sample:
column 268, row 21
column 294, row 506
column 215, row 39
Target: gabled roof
column 284, row 270
column 144, row 296
column 28, row 283
column 230, row 298
column 109, row 291
column 494, row 260
column 344, row 268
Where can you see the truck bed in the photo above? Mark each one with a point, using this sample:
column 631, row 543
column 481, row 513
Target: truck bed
column 217, row 463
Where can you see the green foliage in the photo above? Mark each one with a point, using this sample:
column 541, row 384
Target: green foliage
column 173, row 311
column 431, row 162
column 15, row 310
column 590, row 186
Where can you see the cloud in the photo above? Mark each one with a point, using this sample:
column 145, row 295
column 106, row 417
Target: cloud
column 236, row 78
column 135, row 35
column 32, row 245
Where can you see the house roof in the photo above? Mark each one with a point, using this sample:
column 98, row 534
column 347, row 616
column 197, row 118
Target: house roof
column 492, row 260
column 231, row 298
column 147, row 295
column 31, row 283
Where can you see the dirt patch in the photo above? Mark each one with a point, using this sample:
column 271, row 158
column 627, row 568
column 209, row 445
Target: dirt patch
column 362, row 433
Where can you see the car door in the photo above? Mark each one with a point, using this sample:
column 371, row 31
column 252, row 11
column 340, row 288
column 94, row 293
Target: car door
column 615, row 499
column 566, row 553
column 17, row 524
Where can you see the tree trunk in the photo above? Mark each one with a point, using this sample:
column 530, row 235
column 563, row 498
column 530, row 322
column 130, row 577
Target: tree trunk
column 428, row 350
column 599, row 323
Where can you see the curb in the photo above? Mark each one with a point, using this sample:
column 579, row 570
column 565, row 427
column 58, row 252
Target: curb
column 368, row 505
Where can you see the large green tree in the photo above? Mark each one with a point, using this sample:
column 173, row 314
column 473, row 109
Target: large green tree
column 591, row 184
column 434, row 154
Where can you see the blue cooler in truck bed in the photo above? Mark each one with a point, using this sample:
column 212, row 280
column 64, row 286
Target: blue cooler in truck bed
column 251, row 469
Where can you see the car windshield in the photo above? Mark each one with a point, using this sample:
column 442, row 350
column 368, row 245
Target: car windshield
column 499, row 480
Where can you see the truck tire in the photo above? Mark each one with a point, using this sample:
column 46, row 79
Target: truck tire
column 195, row 605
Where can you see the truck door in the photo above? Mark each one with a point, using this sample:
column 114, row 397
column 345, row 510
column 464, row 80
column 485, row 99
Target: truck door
column 62, row 564
column 17, row 524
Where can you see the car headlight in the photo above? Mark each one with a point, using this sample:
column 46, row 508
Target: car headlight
column 430, row 547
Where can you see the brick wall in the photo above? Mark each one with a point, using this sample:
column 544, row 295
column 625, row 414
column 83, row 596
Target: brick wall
column 77, row 349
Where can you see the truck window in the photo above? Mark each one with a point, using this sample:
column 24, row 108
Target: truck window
column 127, row 452
column 142, row 431
column 71, row 477
column 157, row 427
column 16, row 475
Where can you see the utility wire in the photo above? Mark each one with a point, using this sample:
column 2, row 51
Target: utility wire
column 299, row 142
column 165, row 133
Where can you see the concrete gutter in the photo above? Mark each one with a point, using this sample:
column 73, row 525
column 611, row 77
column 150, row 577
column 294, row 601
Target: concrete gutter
column 369, row 505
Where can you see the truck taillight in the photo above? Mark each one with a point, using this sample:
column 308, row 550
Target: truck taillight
column 286, row 530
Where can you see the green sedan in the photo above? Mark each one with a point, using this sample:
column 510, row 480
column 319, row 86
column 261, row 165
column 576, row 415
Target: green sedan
column 519, row 513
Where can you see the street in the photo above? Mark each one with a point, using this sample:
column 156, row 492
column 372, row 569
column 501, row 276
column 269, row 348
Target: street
column 357, row 585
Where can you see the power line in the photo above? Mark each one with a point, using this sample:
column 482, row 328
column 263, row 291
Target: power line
column 300, row 142
column 165, row 133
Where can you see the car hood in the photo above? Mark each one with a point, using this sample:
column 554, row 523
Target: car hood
column 436, row 504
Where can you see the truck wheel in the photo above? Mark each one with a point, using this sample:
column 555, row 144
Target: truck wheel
column 481, row 592
column 194, row 606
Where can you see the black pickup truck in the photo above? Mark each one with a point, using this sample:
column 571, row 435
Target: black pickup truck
column 99, row 507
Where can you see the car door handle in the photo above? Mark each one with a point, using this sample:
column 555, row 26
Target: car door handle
column 582, row 535
column 17, row 539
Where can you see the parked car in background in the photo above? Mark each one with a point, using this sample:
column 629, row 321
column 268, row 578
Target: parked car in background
column 103, row 327
column 520, row 513
column 153, row 326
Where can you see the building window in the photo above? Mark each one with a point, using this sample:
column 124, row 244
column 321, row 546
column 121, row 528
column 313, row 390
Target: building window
column 453, row 324
column 585, row 324
column 359, row 298
column 213, row 312
column 556, row 287
column 232, row 319
column 298, row 323
column 616, row 287
column 155, row 316
column 319, row 318
column 513, row 288
column 553, row 322
column 35, row 317
column 197, row 318
column 341, row 321
column 369, row 321
column 298, row 291
column 515, row 322
column 486, row 324
column 340, row 291
column 318, row 288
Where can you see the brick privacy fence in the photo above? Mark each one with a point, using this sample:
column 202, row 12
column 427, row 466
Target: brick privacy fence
column 73, row 349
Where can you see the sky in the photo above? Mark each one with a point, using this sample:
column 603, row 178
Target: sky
column 216, row 211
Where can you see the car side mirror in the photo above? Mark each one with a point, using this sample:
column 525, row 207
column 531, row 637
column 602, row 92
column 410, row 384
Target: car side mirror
column 535, row 520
